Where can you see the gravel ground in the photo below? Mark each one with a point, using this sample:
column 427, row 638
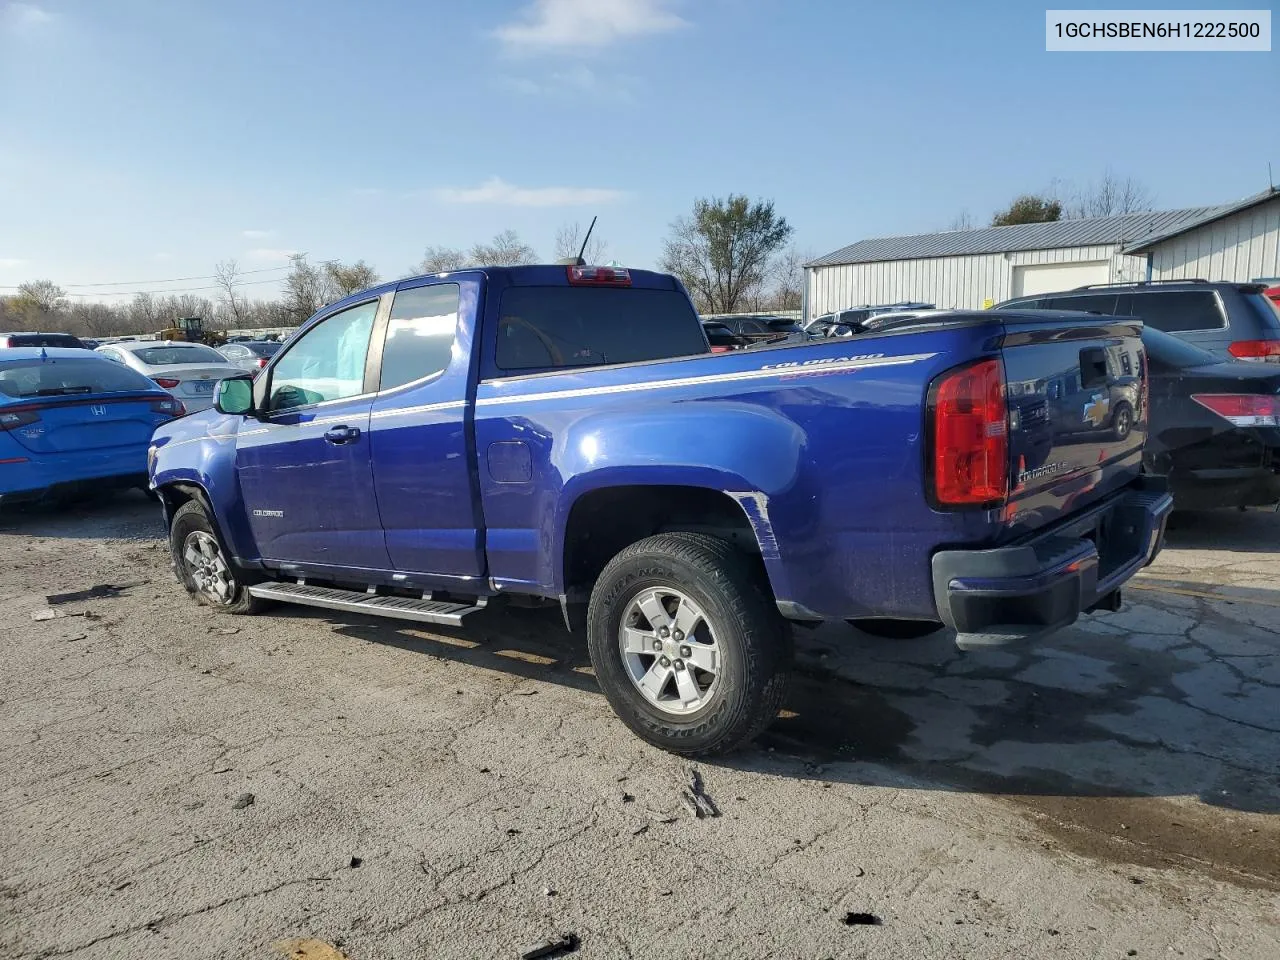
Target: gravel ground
column 183, row 784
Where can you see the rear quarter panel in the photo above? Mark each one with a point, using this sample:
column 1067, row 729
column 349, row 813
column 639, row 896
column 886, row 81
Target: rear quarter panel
column 822, row 445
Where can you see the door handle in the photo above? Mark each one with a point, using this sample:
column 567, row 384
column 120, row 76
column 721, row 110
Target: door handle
column 342, row 434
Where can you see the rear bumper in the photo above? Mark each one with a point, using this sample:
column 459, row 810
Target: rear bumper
column 48, row 474
column 52, row 491
column 1043, row 583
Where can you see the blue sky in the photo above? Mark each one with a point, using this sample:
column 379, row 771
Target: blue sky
column 148, row 139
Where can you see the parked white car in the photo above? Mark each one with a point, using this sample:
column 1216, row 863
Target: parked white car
column 189, row 371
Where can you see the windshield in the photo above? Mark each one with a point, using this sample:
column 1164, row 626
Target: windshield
column 67, row 376
column 175, row 355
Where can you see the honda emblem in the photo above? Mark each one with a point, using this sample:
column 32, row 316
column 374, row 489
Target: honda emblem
column 98, row 410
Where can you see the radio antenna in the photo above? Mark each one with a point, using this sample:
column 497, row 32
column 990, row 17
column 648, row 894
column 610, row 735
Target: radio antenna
column 584, row 241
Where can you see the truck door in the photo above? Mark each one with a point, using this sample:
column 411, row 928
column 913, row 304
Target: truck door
column 421, row 435
column 305, row 469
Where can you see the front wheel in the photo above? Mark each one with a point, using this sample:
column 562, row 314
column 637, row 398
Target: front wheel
column 687, row 645
column 203, row 566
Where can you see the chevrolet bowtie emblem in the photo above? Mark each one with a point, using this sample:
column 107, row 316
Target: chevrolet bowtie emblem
column 1096, row 410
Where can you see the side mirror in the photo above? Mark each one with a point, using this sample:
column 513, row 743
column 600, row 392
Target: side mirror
column 234, row 396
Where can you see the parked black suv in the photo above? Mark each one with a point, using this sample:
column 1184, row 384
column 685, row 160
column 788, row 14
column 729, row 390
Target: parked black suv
column 1233, row 321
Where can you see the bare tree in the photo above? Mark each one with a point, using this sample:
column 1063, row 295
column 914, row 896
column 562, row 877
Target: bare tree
column 304, row 288
column 96, row 320
column 345, row 279
column 723, row 252
column 441, row 260
column 505, row 250
column 1110, row 196
column 962, row 221
column 569, row 242
column 144, row 317
column 227, row 276
column 788, row 278
column 45, row 295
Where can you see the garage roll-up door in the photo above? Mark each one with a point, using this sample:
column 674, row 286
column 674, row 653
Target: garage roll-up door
column 1052, row 277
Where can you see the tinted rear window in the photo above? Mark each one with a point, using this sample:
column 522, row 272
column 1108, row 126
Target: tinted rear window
column 61, row 377
column 1094, row 303
column 43, row 340
column 263, row 349
column 549, row 327
column 166, row 356
column 1179, row 310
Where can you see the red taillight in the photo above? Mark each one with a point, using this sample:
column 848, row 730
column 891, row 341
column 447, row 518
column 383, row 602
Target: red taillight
column 262, row 362
column 170, row 408
column 599, row 276
column 715, row 349
column 1256, row 350
column 970, row 436
column 13, row 419
column 1242, row 409
column 167, row 382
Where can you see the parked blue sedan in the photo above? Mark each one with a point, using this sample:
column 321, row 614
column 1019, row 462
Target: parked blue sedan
column 72, row 419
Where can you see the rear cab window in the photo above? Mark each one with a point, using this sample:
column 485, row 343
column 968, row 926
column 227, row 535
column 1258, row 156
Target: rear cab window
column 555, row 328
column 420, row 334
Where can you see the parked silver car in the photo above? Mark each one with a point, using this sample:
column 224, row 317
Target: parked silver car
column 189, row 371
column 250, row 355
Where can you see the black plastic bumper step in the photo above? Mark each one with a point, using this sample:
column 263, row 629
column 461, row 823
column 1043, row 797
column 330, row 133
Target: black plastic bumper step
column 400, row 608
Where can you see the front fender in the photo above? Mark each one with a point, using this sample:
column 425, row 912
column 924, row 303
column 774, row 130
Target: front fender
column 200, row 451
column 749, row 452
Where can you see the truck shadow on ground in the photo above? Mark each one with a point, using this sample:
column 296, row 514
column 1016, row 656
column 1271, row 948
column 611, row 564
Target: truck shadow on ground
column 1089, row 716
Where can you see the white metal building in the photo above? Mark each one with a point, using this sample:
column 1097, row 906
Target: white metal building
column 976, row 268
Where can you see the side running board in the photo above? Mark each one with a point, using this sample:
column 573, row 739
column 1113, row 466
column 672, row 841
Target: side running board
column 400, row 608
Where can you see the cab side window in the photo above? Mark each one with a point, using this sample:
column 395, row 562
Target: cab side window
column 420, row 334
column 327, row 362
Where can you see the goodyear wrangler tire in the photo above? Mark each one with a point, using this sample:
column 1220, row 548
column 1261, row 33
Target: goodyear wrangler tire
column 687, row 644
column 202, row 565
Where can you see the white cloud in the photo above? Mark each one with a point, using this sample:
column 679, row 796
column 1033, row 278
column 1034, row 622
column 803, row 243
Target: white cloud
column 498, row 192
column 268, row 255
column 23, row 17
column 256, row 234
column 585, row 25
column 10, row 263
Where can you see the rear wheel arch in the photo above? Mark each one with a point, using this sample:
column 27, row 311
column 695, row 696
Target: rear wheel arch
column 602, row 522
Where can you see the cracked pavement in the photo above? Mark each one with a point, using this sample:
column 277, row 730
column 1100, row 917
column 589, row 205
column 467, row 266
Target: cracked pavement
column 438, row 793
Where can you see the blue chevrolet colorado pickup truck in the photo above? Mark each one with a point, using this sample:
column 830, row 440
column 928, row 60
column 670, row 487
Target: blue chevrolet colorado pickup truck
column 565, row 433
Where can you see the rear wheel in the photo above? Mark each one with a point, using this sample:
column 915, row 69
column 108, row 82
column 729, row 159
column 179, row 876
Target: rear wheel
column 687, row 645
column 1122, row 423
column 203, row 566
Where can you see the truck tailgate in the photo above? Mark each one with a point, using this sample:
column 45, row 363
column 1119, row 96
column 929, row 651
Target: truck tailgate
column 1076, row 387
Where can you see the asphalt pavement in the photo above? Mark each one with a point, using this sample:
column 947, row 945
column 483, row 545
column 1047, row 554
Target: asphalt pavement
column 180, row 783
